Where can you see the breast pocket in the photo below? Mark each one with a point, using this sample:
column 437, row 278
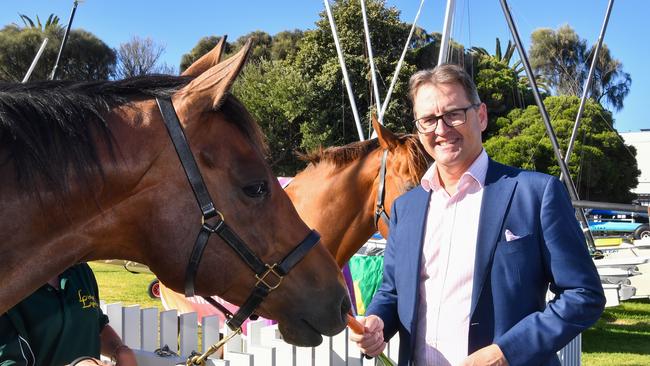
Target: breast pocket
column 526, row 242
column 518, row 261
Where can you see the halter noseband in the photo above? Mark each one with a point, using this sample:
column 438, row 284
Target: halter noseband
column 380, row 210
column 269, row 277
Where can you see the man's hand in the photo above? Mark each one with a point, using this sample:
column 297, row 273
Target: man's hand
column 486, row 356
column 371, row 342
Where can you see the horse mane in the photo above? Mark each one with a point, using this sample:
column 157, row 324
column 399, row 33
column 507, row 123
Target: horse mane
column 48, row 128
column 340, row 156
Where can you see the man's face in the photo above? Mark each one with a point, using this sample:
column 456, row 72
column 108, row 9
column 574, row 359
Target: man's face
column 453, row 148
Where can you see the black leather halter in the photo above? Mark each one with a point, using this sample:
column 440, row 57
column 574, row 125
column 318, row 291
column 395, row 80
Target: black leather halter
column 380, row 210
column 269, row 277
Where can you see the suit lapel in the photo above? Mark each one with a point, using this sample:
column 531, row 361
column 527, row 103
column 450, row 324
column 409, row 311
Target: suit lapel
column 497, row 194
column 417, row 214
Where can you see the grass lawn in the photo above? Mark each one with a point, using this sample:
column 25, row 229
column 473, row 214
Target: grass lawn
column 116, row 284
column 621, row 336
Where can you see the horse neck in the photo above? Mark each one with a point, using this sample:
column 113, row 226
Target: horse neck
column 338, row 203
column 51, row 232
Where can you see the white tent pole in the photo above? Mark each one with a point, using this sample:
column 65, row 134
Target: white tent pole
column 373, row 75
column 348, row 85
column 35, row 60
column 399, row 64
column 446, row 32
column 587, row 85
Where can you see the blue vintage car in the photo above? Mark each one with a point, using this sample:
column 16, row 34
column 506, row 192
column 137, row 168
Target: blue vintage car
column 608, row 222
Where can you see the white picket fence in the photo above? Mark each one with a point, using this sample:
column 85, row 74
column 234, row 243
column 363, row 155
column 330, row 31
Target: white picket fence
column 146, row 330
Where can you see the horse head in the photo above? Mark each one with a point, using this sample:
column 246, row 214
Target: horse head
column 141, row 207
column 343, row 188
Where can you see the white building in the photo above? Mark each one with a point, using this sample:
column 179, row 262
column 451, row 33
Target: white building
column 641, row 141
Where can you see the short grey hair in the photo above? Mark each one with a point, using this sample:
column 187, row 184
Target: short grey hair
column 444, row 74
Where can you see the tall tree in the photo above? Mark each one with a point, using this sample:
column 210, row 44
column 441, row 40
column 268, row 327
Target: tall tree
column 261, row 45
column 501, row 86
column 603, row 167
column 141, row 56
column 285, row 44
column 51, row 22
column 333, row 123
column 278, row 95
column 563, row 58
column 85, row 57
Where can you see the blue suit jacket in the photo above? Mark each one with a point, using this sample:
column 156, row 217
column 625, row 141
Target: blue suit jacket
column 510, row 278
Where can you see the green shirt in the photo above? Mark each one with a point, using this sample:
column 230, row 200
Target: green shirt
column 54, row 327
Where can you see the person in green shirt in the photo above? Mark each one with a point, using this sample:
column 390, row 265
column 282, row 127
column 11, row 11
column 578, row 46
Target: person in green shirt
column 59, row 323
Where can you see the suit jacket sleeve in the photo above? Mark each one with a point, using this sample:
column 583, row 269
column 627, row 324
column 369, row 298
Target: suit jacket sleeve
column 384, row 302
column 579, row 299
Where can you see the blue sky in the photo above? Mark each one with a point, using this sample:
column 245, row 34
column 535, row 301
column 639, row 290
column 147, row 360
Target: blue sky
column 180, row 24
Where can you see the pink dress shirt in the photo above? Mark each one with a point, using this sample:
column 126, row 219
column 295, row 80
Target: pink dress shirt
column 447, row 268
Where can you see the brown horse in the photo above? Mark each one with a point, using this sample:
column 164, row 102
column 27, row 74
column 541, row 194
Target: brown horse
column 337, row 193
column 88, row 171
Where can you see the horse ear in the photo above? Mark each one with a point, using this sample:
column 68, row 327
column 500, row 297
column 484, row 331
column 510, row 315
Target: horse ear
column 208, row 60
column 208, row 89
column 387, row 139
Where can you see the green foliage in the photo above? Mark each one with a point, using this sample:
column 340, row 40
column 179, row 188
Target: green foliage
column 563, row 59
column 285, row 44
column 282, row 46
column 334, row 123
column 500, row 88
column 278, row 95
column 602, row 166
column 261, row 45
column 85, row 56
column 52, row 21
column 425, row 56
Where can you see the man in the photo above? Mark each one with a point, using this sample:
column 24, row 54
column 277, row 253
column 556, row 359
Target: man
column 59, row 323
column 473, row 250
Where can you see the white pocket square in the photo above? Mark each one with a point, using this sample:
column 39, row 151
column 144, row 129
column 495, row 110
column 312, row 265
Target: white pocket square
column 510, row 236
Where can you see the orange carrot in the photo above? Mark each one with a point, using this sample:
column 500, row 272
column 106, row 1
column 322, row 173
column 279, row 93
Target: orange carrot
column 354, row 324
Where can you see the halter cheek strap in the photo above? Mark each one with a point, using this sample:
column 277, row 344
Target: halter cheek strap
column 268, row 277
column 380, row 210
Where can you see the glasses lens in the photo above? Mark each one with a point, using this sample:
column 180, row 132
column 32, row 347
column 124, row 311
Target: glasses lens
column 425, row 125
column 454, row 118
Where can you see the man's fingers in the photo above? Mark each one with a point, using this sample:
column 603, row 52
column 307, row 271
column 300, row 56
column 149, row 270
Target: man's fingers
column 370, row 340
column 373, row 323
column 375, row 350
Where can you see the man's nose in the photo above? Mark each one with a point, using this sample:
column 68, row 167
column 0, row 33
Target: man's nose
column 441, row 127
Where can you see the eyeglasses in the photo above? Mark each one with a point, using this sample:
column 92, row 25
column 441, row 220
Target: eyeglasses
column 453, row 118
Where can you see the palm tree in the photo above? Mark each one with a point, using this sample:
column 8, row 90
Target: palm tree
column 51, row 22
column 505, row 58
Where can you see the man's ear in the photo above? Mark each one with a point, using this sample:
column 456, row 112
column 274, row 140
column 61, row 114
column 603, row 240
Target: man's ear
column 483, row 117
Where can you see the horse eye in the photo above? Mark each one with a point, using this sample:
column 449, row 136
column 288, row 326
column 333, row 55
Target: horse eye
column 257, row 189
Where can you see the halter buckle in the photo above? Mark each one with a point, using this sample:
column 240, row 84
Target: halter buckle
column 262, row 279
column 213, row 228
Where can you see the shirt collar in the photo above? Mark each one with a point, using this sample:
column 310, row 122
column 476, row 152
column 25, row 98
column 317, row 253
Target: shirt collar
column 477, row 171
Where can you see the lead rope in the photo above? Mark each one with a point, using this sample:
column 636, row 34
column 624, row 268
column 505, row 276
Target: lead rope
column 200, row 360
